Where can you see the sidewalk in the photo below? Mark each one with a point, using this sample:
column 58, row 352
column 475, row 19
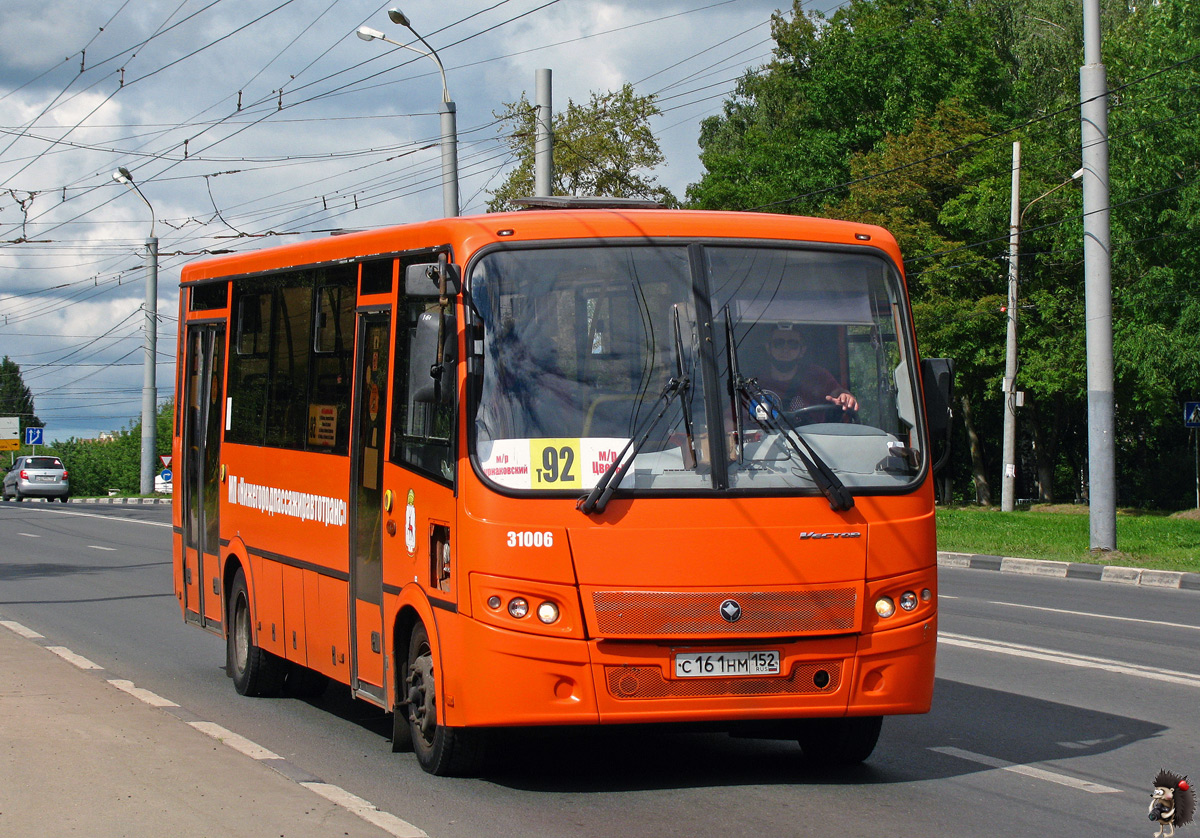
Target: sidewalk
column 80, row 756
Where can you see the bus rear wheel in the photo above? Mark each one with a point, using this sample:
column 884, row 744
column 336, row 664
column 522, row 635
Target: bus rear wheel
column 441, row 750
column 845, row 741
column 255, row 671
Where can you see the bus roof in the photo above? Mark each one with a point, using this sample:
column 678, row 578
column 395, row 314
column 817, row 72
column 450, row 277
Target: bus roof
column 468, row 234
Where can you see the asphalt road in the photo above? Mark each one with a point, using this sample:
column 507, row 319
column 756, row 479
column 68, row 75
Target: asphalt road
column 1057, row 701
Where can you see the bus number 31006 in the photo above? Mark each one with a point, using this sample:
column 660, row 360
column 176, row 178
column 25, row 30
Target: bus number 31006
column 530, row 539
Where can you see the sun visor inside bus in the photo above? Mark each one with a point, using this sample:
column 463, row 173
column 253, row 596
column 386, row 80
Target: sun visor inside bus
column 424, row 280
column 844, row 303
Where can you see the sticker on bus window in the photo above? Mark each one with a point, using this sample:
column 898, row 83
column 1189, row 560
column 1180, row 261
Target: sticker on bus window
column 322, row 425
column 565, row 463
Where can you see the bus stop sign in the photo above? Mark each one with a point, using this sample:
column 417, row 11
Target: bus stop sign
column 1191, row 414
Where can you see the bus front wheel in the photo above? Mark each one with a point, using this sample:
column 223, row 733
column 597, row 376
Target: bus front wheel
column 255, row 671
column 845, row 741
column 441, row 750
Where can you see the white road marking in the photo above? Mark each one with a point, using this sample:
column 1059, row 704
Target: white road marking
column 72, row 658
column 17, row 628
column 239, row 743
column 54, row 511
column 28, row 535
column 1097, row 616
column 1019, row 650
column 1028, row 771
column 153, row 699
column 366, row 810
column 98, row 547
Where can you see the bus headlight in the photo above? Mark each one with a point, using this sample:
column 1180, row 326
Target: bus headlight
column 885, row 606
column 547, row 612
column 908, row 600
column 518, row 607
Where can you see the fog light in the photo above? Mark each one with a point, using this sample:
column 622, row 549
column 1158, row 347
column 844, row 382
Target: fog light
column 885, row 606
column 547, row 612
column 926, row 595
column 518, row 607
column 493, row 602
column 908, row 600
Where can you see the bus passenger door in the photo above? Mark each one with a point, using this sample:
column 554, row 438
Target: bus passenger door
column 366, row 506
column 200, row 478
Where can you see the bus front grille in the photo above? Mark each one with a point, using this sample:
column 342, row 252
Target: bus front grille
column 647, row 682
column 681, row 614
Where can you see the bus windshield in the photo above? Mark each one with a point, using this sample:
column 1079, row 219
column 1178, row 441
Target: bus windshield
column 591, row 353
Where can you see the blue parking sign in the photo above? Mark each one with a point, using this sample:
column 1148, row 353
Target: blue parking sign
column 33, row 436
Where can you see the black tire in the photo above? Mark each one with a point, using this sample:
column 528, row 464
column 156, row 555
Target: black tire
column 441, row 751
column 17, row 496
column 833, row 742
column 63, row 498
column 255, row 671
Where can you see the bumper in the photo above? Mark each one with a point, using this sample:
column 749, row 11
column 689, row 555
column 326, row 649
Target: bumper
column 522, row 679
column 42, row 490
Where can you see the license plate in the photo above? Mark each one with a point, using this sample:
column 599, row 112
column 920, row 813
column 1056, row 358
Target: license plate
column 725, row 664
column 44, row 478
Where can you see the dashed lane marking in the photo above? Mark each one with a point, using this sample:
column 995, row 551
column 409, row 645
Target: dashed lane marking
column 1027, row 770
column 369, row 812
column 1019, row 650
column 17, row 628
column 153, row 699
column 72, row 658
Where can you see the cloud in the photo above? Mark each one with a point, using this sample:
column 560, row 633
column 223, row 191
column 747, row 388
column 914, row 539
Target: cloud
column 245, row 127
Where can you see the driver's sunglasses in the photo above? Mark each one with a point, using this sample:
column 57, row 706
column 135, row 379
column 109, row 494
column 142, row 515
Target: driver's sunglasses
column 785, row 343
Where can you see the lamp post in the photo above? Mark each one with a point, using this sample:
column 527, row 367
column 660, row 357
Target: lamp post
column 149, row 388
column 1008, row 479
column 449, row 140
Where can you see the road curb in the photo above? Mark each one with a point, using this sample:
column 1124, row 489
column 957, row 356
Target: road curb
column 1143, row 577
column 124, row 501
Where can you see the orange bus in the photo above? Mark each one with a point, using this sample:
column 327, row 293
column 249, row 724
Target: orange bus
column 538, row 468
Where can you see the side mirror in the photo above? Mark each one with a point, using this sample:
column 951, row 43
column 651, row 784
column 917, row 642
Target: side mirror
column 425, row 280
column 937, row 386
column 432, row 380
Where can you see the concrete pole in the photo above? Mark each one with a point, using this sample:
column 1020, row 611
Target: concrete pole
column 449, row 159
column 1009, row 478
column 543, row 155
column 149, row 369
column 1097, row 266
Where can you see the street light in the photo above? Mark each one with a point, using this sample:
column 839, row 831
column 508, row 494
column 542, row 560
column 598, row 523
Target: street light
column 449, row 140
column 1008, row 479
column 149, row 388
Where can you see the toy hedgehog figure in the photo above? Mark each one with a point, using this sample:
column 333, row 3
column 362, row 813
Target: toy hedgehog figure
column 1172, row 804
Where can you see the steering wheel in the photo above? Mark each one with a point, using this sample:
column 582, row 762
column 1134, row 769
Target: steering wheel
column 814, row 413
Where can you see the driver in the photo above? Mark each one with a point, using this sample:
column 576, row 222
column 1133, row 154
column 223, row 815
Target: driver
column 791, row 382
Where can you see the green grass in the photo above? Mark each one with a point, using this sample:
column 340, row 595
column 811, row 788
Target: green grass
column 1143, row 540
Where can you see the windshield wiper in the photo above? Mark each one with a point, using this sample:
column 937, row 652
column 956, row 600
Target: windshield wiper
column 597, row 498
column 755, row 401
column 827, row 481
column 689, row 453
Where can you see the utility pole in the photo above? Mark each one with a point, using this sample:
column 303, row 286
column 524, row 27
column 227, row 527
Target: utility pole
column 1009, row 478
column 543, row 156
column 1097, row 262
column 149, row 365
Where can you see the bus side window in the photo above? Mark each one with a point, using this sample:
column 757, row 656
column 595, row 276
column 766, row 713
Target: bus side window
column 423, row 427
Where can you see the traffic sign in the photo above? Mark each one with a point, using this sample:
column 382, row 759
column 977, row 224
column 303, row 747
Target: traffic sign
column 34, row 436
column 1191, row 414
column 10, row 433
column 166, row 460
column 166, row 475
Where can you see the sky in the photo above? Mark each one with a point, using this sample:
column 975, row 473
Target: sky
column 249, row 123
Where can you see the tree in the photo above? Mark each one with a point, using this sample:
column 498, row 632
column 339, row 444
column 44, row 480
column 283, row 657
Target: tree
column 601, row 148
column 15, row 398
column 903, row 113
